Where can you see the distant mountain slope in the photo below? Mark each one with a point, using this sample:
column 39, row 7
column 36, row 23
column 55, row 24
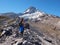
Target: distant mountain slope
column 33, row 13
column 10, row 14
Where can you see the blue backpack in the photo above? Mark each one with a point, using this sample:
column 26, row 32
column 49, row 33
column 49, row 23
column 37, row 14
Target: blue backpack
column 21, row 28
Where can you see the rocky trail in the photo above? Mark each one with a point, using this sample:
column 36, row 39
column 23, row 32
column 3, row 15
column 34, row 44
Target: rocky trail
column 30, row 37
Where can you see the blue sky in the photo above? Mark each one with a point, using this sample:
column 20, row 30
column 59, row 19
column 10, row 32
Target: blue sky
column 17, row 6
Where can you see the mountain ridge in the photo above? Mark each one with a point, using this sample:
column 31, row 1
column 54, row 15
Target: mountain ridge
column 25, row 12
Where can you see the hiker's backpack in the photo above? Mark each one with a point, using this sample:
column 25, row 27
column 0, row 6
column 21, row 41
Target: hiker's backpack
column 21, row 28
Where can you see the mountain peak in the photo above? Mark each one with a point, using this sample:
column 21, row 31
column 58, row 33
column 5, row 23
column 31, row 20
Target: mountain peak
column 32, row 13
column 31, row 10
column 31, row 7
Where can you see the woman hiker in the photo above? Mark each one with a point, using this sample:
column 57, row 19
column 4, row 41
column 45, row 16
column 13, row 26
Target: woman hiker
column 21, row 26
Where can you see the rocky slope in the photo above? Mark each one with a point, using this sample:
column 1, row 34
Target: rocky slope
column 38, row 34
column 31, row 37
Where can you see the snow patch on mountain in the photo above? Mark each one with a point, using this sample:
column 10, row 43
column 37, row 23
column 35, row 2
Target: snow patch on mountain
column 33, row 15
column 31, row 10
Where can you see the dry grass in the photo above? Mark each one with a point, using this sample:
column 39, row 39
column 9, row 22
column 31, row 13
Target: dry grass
column 47, row 28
